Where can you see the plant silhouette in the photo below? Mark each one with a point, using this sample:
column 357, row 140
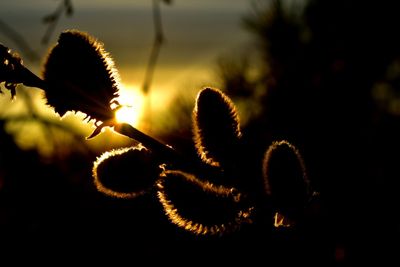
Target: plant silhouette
column 324, row 84
column 207, row 195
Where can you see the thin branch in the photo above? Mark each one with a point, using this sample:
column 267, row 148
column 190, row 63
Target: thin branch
column 19, row 41
column 52, row 19
column 155, row 50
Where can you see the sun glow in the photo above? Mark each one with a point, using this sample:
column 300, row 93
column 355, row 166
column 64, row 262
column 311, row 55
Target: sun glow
column 132, row 101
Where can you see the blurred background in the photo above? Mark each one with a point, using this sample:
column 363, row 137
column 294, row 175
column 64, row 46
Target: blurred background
column 322, row 74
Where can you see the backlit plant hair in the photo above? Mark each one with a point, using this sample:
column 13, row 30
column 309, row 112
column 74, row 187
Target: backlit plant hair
column 286, row 181
column 216, row 127
column 79, row 75
column 211, row 198
column 112, row 178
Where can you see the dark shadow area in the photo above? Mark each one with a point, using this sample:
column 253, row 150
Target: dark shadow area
column 329, row 73
column 327, row 79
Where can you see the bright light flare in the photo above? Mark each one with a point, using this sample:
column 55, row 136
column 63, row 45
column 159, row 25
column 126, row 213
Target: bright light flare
column 132, row 101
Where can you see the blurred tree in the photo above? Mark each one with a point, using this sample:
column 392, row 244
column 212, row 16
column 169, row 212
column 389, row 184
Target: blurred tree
column 328, row 72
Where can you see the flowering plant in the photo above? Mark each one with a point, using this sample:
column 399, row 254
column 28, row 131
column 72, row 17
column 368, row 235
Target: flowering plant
column 207, row 195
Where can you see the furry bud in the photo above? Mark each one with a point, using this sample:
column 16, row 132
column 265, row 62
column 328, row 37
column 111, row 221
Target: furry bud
column 126, row 173
column 216, row 127
column 286, row 180
column 80, row 76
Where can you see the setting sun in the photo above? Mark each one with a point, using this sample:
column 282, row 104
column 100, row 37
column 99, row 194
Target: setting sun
column 132, row 101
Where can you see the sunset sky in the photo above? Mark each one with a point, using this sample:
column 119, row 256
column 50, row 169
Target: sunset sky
column 197, row 33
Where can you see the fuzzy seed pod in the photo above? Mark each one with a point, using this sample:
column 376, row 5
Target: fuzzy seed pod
column 216, row 127
column 126, row 173
column 80, row 76
column 200, row 207
column 285, row 180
